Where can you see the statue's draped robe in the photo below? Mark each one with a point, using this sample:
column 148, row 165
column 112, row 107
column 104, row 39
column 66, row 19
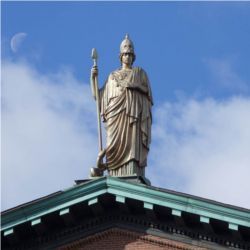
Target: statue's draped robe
column 126, row 102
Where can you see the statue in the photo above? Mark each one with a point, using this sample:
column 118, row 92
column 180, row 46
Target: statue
column 124, row 103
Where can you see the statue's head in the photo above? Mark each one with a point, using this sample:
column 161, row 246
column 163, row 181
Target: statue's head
column 126, row 47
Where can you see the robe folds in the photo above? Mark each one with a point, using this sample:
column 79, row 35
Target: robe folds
column 126, row 101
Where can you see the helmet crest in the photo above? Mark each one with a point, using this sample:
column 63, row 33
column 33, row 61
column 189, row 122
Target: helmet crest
column 127, row 45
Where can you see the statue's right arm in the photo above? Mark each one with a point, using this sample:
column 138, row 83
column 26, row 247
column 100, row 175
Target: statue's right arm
column 93, row 77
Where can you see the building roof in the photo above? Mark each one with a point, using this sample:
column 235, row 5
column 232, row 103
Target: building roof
column 90, row 192
column 150, row 196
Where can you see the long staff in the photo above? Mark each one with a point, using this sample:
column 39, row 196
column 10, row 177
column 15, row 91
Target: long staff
column 95, row 90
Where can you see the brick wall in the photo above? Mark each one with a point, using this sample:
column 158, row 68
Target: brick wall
column 119, row 239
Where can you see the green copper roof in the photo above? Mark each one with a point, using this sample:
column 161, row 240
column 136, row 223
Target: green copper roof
column 122, row 189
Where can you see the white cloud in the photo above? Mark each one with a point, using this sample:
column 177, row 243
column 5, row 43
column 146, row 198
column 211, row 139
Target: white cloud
column 203, row 148
column 48, row 132
column 49, row 140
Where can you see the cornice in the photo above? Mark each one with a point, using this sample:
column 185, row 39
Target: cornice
column 180, row 202
column 65, row 199
column 150, row 196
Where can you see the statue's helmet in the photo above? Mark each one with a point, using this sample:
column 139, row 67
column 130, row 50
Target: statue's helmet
column 127, row 46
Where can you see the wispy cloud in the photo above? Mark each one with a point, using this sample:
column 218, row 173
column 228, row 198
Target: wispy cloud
column 225, row 74
column 48, row 132
column 203, row 148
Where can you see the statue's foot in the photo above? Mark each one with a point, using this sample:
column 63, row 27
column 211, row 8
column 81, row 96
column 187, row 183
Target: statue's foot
column 96, row 172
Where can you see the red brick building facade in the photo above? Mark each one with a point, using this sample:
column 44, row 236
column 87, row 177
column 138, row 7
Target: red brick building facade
column 116, row 239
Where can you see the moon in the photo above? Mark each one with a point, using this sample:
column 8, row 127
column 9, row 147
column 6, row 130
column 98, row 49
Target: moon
column 16, row 41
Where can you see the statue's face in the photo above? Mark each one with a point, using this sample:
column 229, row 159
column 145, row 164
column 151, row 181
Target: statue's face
column 127, row 58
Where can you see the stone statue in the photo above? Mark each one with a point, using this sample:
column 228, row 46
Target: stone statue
column 125, row 103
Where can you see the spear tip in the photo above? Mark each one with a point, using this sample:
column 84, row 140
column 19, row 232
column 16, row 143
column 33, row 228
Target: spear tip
column 94, row 54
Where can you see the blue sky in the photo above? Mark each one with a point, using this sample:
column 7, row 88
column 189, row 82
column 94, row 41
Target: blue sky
column 197, row 57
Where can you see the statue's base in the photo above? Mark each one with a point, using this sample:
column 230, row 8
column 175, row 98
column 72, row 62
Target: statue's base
column 135, row 179
column 130, row 178
column 77, row 182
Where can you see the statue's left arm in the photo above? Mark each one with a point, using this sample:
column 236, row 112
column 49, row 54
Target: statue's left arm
column 141, row 83
column 147, row 83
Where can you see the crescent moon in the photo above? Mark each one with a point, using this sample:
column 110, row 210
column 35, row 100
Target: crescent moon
column 16, row 41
